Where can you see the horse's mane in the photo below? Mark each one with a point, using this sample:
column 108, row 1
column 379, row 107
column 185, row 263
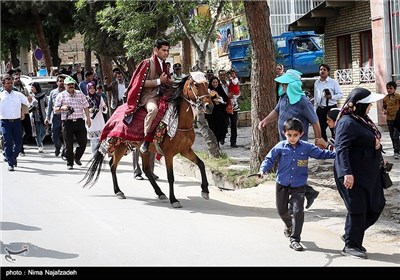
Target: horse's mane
column 177, row 92
column 174, row 92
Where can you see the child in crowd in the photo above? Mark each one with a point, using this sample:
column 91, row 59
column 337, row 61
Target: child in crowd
column 292, row 155
column 391, row 104
column 233, row 90
column 331, row 121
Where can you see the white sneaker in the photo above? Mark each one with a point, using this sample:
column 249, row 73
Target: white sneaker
column 396, row 156
column 40, row 150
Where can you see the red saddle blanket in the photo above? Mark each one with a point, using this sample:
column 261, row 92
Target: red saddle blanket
column 115, row 127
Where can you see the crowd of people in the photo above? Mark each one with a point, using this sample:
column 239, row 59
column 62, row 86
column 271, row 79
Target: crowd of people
column 78, row 110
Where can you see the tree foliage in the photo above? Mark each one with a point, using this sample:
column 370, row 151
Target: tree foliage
column 49, row 21
column 136, row 24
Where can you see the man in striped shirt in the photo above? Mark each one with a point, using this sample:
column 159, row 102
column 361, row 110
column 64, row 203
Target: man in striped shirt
column 74, row 109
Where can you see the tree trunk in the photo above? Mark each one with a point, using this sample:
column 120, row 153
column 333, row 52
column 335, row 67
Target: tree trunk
column 41, row 39
column 54, row 41
column 263, row 98
column 187, row 59
column 106, row 71
column 88, row 58
column 14, row 53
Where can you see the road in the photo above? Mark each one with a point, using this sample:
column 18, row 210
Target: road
column 45, row 209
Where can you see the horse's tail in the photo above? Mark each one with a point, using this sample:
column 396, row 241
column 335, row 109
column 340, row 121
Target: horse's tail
column 93, row 172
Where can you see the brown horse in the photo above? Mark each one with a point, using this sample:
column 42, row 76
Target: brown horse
column 189, row 96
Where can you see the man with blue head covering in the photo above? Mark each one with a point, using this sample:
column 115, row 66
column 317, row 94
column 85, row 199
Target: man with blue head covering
column 293, row 103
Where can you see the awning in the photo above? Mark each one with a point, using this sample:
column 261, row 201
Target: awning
column 315, row 19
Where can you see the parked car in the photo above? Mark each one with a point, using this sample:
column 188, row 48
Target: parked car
column 47, row 83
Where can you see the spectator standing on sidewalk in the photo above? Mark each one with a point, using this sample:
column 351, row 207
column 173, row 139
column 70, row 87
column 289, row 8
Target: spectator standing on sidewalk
column 327, row 93
column 55, row 118
column 117, row 88
column 279, row 71
column 391, row 105
column 177, row 75
column 218, row 119
column 292, row 155
column 294, row 103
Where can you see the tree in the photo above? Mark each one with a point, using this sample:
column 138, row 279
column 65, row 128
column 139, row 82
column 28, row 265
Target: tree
column 262, row 80
column 199, row 28
column 50, row 21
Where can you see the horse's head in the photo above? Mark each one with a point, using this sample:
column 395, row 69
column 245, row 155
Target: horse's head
column 196, row 90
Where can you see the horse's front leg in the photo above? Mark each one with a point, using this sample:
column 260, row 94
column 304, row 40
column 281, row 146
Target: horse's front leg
column 171, row 179
column 190, row 155
column 113, row 166
column 149, row 175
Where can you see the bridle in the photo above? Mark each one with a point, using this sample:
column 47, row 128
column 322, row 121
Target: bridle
column 197, row 104
column 194, row 105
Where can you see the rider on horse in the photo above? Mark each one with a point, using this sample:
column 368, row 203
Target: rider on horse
column 143, row 89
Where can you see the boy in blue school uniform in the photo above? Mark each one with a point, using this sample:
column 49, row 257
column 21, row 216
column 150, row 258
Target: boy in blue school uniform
column 292, row 155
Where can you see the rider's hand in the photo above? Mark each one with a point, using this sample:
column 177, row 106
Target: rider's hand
column 163, row 78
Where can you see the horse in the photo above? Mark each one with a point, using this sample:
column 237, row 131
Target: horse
column 191, row 94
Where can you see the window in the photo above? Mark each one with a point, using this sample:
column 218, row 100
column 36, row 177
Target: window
column 344, row 52
column 367, row 59
column 367, row 73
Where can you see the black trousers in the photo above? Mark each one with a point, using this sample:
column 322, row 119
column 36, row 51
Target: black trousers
column 295, row 197
column 233, row 120
column 322, row 113
column 75, row 128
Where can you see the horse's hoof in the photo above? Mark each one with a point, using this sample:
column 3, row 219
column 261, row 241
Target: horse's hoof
column 120, row 195
column 205, row 195
column 162, row 197
column 176, row 205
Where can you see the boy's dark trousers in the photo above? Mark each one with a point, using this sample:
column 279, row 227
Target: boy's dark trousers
column 294, row 196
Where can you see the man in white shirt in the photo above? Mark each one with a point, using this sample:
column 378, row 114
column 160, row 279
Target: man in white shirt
column 11, row 102
column 327, row 93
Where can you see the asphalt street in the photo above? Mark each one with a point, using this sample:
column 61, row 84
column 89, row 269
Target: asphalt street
column 45, row 210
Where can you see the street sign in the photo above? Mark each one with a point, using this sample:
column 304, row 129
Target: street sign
column 38, row 54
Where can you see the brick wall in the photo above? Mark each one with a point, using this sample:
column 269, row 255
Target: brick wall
column 351, row 21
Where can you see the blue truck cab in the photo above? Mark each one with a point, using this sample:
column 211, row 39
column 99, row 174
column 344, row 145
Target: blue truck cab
column 299, row 50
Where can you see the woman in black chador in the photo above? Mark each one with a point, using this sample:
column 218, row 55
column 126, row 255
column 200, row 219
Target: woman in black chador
column 218, row 119
column 357, row 169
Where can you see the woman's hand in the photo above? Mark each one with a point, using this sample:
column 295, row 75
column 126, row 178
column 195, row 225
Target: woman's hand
column 348, row 181
column 377, row 144
column 320, row 142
